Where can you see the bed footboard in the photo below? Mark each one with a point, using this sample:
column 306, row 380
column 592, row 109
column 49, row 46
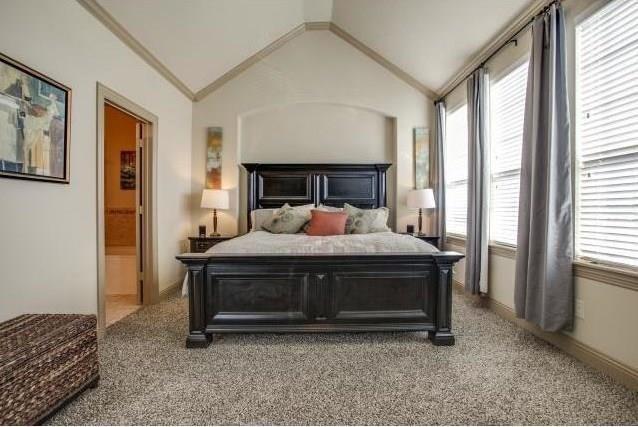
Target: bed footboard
column 319, row 293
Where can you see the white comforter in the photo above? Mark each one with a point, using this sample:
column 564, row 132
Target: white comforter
column 262, row 242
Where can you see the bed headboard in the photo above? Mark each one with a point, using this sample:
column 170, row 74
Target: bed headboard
column 272, row 185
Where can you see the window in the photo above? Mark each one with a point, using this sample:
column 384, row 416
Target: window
column 607, row 135
column 507, row 111
column 456, row 171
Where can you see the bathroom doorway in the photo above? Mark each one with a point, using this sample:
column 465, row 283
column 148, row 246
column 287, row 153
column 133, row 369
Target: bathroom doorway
column 123, row 133
column 127, row 244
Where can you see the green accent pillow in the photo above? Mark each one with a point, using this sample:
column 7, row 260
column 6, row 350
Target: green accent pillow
column 287, row 219
column 362, row 221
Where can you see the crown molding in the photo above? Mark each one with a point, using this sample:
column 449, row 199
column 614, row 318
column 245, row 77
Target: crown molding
column 102, row 15
column 315, row 26
column 535, row 8
column 381, row 60
column 94, row 8
column 319, row 25
column 250, row 61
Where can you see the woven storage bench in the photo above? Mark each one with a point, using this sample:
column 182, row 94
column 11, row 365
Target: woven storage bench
column 45, row 361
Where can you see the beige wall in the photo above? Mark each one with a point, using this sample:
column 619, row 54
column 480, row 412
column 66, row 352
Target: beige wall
column 315, row 68
column 119, row 204
column 308, row 131
column 51, row 228
column 319, row 132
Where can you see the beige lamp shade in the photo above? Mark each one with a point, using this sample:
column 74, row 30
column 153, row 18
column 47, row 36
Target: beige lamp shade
column 215, row 199
column 421, row 199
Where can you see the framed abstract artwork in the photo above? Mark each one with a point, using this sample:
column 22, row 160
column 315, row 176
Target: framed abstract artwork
column 35, row 124
column 214, row 158
column 421, row 158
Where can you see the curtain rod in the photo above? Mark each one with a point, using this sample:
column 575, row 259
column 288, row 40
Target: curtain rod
column 512, row 39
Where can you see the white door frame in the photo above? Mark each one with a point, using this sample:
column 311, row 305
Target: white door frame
column 150, row 283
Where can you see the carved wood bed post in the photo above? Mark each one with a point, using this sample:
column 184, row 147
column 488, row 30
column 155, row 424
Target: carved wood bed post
column 382, row 183
column 197, row 336
column 251, row 199
column 444, row 262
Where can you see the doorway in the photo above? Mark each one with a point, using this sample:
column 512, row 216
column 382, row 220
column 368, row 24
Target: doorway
column 123, row 218
column 126, row 237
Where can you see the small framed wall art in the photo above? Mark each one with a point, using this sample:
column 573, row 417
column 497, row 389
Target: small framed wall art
column 214, row 141
column 127, row 170
column 421, row 157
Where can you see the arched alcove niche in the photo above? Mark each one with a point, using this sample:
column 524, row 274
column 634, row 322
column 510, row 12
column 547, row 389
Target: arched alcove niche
column 317, row 132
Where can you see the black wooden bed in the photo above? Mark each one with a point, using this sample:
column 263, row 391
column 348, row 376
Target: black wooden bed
column 318, row 293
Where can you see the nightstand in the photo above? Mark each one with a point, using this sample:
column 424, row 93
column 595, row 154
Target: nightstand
column 433, row 240
column 202, row 244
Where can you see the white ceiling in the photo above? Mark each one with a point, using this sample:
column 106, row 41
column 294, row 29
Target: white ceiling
column 200, row 40
column 429, row 39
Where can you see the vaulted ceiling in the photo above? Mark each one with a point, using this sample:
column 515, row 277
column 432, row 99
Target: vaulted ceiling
column 199, row 41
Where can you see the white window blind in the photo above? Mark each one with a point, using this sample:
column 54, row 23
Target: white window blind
column 456, row 171
column 607, row 135
column 507, row 110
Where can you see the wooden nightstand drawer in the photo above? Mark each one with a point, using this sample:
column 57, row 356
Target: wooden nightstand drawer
column 202, row 244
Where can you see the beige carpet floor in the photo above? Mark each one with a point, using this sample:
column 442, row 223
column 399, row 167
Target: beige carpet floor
column 496, row 374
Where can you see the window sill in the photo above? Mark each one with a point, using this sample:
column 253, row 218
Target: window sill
column 455, row 239
column 503, row 250
column 617, row 276
column 494, row 248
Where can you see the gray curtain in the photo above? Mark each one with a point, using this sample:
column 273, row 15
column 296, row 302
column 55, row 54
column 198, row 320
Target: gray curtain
column 476, row 246
column 438, row 171
column 544, row 288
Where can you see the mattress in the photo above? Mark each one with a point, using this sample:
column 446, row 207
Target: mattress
column 262, row 242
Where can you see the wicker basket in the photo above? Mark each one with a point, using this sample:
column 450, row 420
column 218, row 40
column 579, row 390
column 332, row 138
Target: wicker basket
column 45, row 360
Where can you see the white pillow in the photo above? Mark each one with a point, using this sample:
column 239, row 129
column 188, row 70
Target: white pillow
column 305, row 209
column 258, row 216
column 362, row 221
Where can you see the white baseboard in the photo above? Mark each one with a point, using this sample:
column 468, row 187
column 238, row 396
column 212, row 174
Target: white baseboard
column 619, row 371
column 168, row 291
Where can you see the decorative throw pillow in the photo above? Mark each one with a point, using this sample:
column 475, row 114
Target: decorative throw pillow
column 304, row 209
column 259, row 216
column 324, row 223
column 287, row 219
column 362, row 221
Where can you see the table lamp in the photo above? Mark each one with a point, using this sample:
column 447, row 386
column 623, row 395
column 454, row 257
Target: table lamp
column 421, row 199
column 215, row 199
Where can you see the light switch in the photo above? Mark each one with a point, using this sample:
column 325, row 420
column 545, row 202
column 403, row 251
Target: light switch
column 580, row 308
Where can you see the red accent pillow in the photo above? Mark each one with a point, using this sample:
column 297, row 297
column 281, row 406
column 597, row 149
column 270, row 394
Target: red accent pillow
column 323, row 223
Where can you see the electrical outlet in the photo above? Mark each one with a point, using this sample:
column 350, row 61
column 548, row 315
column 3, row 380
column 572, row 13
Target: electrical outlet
column 580, row 308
